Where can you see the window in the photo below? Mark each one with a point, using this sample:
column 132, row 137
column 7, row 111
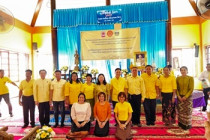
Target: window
column 14, row 64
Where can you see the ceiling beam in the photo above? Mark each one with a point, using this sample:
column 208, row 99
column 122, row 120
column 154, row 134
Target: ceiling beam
column 36, row 13
column 193, row 4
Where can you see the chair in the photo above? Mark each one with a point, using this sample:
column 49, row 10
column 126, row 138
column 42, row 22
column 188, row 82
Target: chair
column 32, row 134
column 4, row 135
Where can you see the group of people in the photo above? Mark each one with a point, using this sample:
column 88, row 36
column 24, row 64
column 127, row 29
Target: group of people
column 88, row 102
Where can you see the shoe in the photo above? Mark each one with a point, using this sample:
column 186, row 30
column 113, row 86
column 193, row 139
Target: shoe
column 139, row 125
column 48, row 125
column 152, row 123
column 62, row 125
column 11, row 115
column 148, row 124
column 56, row 125
column 32, row 125
column 25, row 125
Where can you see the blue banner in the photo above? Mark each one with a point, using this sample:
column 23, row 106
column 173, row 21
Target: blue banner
column 109, row 16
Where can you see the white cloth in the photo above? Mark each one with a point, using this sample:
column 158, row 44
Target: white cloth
column 204, row 76
column 81, row 112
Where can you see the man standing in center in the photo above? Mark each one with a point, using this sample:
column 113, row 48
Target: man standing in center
column 152, row 92
column 41, row 89
column 57, row 96
column 136, row 95
column 118, row 84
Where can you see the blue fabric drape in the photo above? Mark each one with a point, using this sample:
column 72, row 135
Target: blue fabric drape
column 131, row 13
column 148, row 16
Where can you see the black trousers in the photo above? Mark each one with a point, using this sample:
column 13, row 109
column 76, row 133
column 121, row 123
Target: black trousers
column 59, row 106
column 206, row 96
column 44, row 113
column 150, row 110
column 28, row 106
column 7, row 100
column 135, row 101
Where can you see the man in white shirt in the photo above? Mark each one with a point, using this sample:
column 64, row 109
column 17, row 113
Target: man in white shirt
column 205, row 75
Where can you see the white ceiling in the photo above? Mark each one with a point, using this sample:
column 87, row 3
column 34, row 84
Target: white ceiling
column 24, row 9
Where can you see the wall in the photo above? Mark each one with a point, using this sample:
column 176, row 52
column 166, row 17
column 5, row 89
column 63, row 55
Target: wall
column 43, row 56
column 206, row 32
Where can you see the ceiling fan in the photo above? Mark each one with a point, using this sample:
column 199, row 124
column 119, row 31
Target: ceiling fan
column 203, row 7
column 7, row 21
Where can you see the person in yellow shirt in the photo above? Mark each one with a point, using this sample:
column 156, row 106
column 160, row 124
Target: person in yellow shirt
column 41, row 90
column 123, row 114
column 117, row 85
column 101, row 86
column 4, row 92
column 168, row 91
column 26, row 99
column 136, row 95
column 72, row 90
column 88, row 89
column 152, row 92
column 57, row 97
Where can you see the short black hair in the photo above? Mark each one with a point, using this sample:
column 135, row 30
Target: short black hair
column 121, row 94
column 117, row 69
column 42, row 70
column 1, row 70
column 148, row 66
column 169, row 66
column 57, row 71
column 207, row 64
column 28, row 70
column 89, row 75
column 102, row 93
column 166, row 67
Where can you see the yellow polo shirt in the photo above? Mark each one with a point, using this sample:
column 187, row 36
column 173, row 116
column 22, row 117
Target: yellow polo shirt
column 73, row 90
column 136, row 86
column 3, row 88
column 88, row 90
column 58, row 89
column 122, row 109
column 150, row 82
column 117, row 85
column 27, row 87
column 167, row 84
column 41, row 89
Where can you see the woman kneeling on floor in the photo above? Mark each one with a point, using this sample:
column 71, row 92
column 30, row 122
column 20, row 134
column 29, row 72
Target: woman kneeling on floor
column 123, row 114
column 80, row 113
column 102, row 113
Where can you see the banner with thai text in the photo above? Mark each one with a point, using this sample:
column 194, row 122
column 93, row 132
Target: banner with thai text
column 110, row 44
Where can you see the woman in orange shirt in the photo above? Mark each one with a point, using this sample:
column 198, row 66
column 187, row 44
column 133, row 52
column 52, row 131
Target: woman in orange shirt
column 102, row 113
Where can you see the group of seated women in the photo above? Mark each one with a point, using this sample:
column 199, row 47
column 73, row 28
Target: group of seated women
column 81, row 113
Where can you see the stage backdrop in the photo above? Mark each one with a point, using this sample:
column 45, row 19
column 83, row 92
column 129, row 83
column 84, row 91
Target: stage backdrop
column 150, row 17
column 110, row 44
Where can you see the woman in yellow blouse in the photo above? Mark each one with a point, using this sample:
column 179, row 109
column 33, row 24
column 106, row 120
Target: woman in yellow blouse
column 168, row 91
column 102, row 86
column 185, row 86
column 72, row 90
column 123, row 114
column 88, row 89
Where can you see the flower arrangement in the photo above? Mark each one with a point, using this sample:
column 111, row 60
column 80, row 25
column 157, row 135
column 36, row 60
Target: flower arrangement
column 159, row 72
column 45, row 133
column 84, row 75
column 85, row 68
column 124, row 71
column 64, row 68
column 94, row 71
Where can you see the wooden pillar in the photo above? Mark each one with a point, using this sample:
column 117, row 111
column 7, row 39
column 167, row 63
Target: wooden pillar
column 108, row 2
column 54, row 38
column 169, row 35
